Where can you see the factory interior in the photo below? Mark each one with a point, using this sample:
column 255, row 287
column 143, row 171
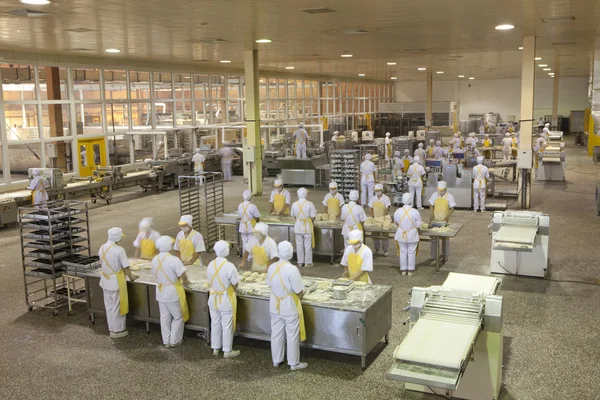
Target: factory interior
column 354, row 199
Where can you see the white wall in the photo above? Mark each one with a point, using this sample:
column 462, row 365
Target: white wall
column 501, row 96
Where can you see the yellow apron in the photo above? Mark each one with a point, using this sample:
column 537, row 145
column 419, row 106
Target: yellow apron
column 378, row 208
column 178, row 287
column 123, row 299
column 406, row 165
column 279, row 204
column 430, row 152
column 537, row 159
column 246, row 217
column 187, row 248
column 218, row 295
column 333, row 206
column 356, row 223
column 441, row 208
column 40, row 187
column 514, row 147
column 389, row 150
column 487, row 143
column 355, row 264
column 294, row 297
column 482, row 180
column 147, row 249
column 302, row 217
column 259, row 258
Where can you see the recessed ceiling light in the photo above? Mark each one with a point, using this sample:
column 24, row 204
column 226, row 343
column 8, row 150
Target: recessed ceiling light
column 391, row 63
column 346, row 55
column 547, row 69
column 521, row 48
column 439, row 72
column 225, row 61
column 263, row 40
column 537, row 58
column 542, row 65
column 112, row 50
column 471, row 78
column 422, row 69
column 504, row 27
column 290, row 67
column 36, row 2
column 361, row 74
column 461, row 76
column 393, row 78
column 551, row 73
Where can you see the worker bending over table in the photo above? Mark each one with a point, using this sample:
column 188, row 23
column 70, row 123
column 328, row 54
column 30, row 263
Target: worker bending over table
column 333, row 201
column 304, row 212
column 409, row 221
column 262, row 250
column 380, row 206
column 280, row 199
column 249, row 216
column 189, row 242
column 145, row 242
column 442, row 206
column 353, row 216
column 357, row 259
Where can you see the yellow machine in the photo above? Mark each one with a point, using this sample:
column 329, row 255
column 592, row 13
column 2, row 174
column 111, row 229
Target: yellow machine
column 92, row 154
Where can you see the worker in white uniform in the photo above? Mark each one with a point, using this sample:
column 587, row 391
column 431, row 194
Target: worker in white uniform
column 115, row 266
column 438, row 151
column 287, row 317
column 357, row 259
column 472, row 150
column 397, row 165
column 388, row 146
column 406, row 160
column 421, row 153
column 546, row 131
column 368, row 176
column 416, row 172
column 429, row 151
column 249, row 216
column 409, row 221
column 262, row 250
column 222, row 302
column 145, row 242
column 539, row 148
column 442, row 204
column 226, row 155
column 304, row 212
column 455, row 139
column 280, row 199
column 380, row 206
column 481, row 129
column 353, row 216
column 189, row 242
column 480, row 177
column 333, row 201
column 198, row 159
column 301, row 138
column 334, row 137
column 507, row 146
column 170, row 276
column 38, row 187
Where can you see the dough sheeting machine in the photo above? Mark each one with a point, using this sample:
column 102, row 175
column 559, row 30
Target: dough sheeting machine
column 454, row 346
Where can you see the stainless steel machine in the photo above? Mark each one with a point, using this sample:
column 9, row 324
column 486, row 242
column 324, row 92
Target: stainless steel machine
column 551, row 165
column 454, row 346
column 301, row 171
column 460, row 184
column 520, row 243
column 166, row 172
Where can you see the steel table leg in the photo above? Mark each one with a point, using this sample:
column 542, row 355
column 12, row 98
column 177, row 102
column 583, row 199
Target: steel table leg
column 363, row 362
column 387, row 338
column 147, row 327
column 437, row 254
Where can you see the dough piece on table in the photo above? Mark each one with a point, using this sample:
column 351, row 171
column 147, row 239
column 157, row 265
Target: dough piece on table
column 318, row 298
column 387, row 218
column 370, row 221
column 134, row 267
column 360, row 283
column 249, row 279
column 324, row 285
column 147, row 266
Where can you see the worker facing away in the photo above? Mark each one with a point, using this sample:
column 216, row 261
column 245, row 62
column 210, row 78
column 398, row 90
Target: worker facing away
column 198, row 159
column 262, row 250
column 115, row 266
column 189, row 243
column 406, row 160
column 249, row 216
column 380, row 206
column 353, row 216
column 287, row 317
column 409, row 221
column 333, row 201
column 280, row 199
column 415, row 182
column 301, row 139
column 546, row 131
column 388, row 146
column 515, row 145
column 145, row 242
column 222, row 302
column 304, row 212
column 480, row 177
column 358, row 258
column 438, row 151
column 430, row 149
column 170, row 276
column 442, row 206
column 368, row 176
column 397, row 165
column 421, row 153
column 38, row 186
column 226, row 155
column 507, row 144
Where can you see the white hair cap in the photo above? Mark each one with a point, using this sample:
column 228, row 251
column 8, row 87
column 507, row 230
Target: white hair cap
column 221, row 248
column 388, row 134
column 302, row 192
column 332, row 185
column 186, row 220
column 198, row 150
column 416, row 159
column 262, row 228
column 300, row 124
column 480, row 160
column 247, row 195
column 438, row 143
column 456, row 135
column 407, row 199
column 379, row 186
column 486, row 135
column 285, row 250
column 420, row 145
column 406, row 151
column 353, row 195
column 472, row 134
column 164, row 244
column 507, row 134
column 355, row 236
column 36, row 172
column 368, row 156
column 547, row 125
column 442, row 185
column 397, row 154
column 431, row 141
column 115, row 234
column 336, row 132
column 145, row 224
column 278, row 183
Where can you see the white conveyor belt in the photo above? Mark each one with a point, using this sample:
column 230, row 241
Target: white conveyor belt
column 517, row 234
column 472, row 283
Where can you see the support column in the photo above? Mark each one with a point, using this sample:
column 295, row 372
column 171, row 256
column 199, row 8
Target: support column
column 555, row 94
column 55, row 117
column 252, row 146
column 594, row 122
column 526, row 121
column 429, row 106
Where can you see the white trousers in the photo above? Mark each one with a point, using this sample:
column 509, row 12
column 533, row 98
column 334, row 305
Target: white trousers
column 408, row 256
column 245, row 239
column 221, row 328
column 445, row 249
column 171, row 322
column 418, row 191
column 112, row 302
column 479, row 198
column 366, row 193
column 506, row 153
column 301, row 151
column 226, row 169
column 285, row 327
column 304, row 248
column 381, row 243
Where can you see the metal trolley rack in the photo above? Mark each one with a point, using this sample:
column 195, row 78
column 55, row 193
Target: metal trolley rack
column 345, row 170
column 51, row 233
column 202, row 197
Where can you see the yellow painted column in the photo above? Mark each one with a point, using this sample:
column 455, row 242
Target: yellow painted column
column 526, row 137
column 555, row 94
column 429, row 105
column 253, row 148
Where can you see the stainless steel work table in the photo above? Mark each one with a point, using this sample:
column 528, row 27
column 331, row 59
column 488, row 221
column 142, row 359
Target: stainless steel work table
column 437, row 238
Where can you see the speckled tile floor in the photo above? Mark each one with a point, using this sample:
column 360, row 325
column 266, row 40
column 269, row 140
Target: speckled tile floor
column 551, row 328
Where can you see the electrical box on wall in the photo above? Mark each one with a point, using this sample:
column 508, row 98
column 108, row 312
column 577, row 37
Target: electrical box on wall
column 249, row 154
column 525, row 159
column 50, row 150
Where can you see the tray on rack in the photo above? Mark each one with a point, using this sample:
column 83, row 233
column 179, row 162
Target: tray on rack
column 45, row 245
column 82, row 262
column 47, row 254
column 56, row 234
column 44, row 273
column 41, row 263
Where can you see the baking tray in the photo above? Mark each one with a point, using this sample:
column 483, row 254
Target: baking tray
column 41, row 263
column 42, row 273
column 47, row 255
column 44, row 245
column 79, row 261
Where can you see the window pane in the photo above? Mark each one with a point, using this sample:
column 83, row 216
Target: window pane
column 22, row 157
column 18, row 82
column 86, row 84
column 183, row 89
column 163, row 87
column 117, row 115
column 234, row 109
column 217, row 112
column 183, row 113
column 291, row 89
column 58, row 155
column 115, row 85
column 201, row 87
column 53, row 83
column 55, row 119
column 233, row 87
column 139, row 85
column 89, row 118
column 118, row 149
column 21, row 121
column 201, row 109
column 217, row 87
column 164, row 115
column 141, row 116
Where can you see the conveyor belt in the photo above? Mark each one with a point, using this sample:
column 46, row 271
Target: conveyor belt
column 521, row 234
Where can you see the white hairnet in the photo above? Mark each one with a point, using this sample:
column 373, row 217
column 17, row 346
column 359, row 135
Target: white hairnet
column 186, row 220
column 164, row 244
column 198, row 150
column 416, row 158
column 247, row 195
column 420, row 145
column 262, row 228
column 300, row 124
column 480, row 160
column 507, row 134
column 406, row 151
column 278, row 183
column 332, row 185
column 472, row 134
column 431, row 141
column 388, row 134
column 368, row 156
column 115, row 234
column 378, row 186
column 302, row 192
column 487, row 136
column 353, row 195
column 336, row 132
column 221, row 248
column 397, row 154
column 407, row 199
column 285, row 250
column 36, row 172
column 456, row 135
column 146, row 224
column 438, row 143
column 355, row 236
column 547, row 125
column 442, row 185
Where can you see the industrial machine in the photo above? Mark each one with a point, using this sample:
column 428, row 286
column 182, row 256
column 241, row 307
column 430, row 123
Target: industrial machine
column 520, row 243
column 166, row 172
column 53, row 175
column 460, row 184
column 551, row 165
column 454, row 346
column 8, row 212
column 301, row 171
